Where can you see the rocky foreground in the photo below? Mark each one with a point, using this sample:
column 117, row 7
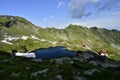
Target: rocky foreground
column 86, row 66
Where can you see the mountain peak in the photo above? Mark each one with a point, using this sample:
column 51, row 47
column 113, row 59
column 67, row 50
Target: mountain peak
column 20, row 32
column 8, row 21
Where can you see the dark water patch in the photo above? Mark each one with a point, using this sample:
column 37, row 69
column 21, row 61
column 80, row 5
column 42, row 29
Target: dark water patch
column 53, row 52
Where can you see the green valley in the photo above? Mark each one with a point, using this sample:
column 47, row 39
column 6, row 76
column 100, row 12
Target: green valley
column 17, row 32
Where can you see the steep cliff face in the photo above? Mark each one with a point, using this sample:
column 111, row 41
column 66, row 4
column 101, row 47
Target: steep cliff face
column 17, row 32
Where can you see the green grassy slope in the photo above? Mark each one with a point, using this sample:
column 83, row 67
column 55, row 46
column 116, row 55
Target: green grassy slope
column 73, row 37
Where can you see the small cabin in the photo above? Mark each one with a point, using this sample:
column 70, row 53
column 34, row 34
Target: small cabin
column 103, row 53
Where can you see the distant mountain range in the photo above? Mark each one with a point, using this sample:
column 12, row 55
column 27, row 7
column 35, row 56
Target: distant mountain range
column 17, row 33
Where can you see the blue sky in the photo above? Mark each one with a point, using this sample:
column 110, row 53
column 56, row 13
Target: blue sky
column 61, row 13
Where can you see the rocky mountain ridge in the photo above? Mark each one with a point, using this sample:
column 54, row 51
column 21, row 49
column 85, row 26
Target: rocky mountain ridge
column 17, row 32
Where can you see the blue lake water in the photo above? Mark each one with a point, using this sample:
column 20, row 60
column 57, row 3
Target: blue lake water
column 59, row 51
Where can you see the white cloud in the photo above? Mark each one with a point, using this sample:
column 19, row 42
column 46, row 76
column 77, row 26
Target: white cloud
column 78, row 8
column 60, row 4
column 114, row 13
column 109, row 4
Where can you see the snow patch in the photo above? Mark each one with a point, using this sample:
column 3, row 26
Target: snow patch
column 28, row 55
column 9, row 38
column 34, row 37
column 4, row 41
column 24, row 37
